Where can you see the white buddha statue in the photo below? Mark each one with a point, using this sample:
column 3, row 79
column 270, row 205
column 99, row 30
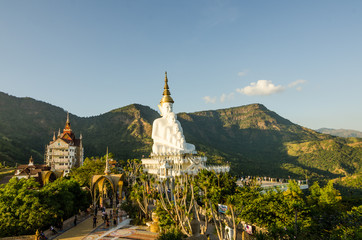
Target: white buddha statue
column 167, row 133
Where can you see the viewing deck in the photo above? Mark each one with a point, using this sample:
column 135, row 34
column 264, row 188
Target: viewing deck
column 268, row 183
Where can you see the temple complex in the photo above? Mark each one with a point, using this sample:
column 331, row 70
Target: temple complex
column 171, row 155
column 40, row 172
column 65, row 151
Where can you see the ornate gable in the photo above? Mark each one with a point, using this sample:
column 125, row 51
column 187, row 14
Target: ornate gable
column 67, row 137
column 59, row 143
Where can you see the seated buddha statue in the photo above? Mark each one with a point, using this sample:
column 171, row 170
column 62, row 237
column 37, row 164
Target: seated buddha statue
column 167, row 133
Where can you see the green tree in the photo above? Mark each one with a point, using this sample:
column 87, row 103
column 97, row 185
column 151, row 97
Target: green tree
column 25, row 207
column 325, row 207
column 165, row 220
column 21, row 208
column 91, row 166
column 65, row 198
column 178, row 201
column 295, row 201
column 350, row 225
column 172, row 233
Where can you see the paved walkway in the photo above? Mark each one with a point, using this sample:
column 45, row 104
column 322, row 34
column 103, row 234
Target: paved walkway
column 123, row 231
column 126, row 232
column 80, row 231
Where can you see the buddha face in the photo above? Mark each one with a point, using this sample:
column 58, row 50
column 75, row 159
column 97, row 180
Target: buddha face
column 171, row 117
column 166, row 108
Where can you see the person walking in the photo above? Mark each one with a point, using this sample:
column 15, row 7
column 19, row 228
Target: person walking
column 42, row 236
column 105, row 217
column 94, row 221
column 61, row 224
column 75, row 220
column 53, row 230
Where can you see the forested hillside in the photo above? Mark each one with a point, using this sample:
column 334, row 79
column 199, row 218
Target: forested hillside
column 255, row 140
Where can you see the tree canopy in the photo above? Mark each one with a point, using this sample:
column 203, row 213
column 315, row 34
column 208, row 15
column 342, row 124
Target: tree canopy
column 25, row 207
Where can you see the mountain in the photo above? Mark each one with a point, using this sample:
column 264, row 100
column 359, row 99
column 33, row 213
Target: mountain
column 27, row 125
column 346, row 133
column 253, row 139
column 258, row 141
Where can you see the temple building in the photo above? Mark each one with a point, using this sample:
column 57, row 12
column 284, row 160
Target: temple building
column 171, row 155
column 65, row 151
column 40, row 172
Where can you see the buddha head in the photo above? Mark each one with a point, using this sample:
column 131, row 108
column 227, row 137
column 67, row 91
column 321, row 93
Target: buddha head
column 165, row 108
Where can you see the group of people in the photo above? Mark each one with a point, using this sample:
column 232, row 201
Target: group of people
column 108, row 219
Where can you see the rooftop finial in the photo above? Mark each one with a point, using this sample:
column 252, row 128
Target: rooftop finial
column 67, row 128
column 31, row 161
column 166, row 92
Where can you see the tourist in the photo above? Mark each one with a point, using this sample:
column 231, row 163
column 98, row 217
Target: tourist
column 95, row 208
column 114, row 221
column 61, row 224
column 105, row 217
column 75, row 220
column 42, row 236
column 94, row 221
column 53, row 230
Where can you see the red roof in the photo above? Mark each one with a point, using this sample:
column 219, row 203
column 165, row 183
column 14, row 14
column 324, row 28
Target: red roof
column 68, row 135
column 31, row 169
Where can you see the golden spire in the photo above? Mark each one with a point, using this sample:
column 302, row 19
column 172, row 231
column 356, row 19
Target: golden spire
column 107, row 171
column 166, row 93
column 67, row 128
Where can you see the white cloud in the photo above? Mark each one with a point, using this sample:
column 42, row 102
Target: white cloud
column 296, row 83
column 226, row 97
column 209, row 99
column 261, row 88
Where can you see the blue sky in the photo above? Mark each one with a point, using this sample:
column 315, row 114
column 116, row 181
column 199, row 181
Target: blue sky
column 301, row 59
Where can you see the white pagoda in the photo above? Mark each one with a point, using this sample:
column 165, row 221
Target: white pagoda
column 171, row 155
